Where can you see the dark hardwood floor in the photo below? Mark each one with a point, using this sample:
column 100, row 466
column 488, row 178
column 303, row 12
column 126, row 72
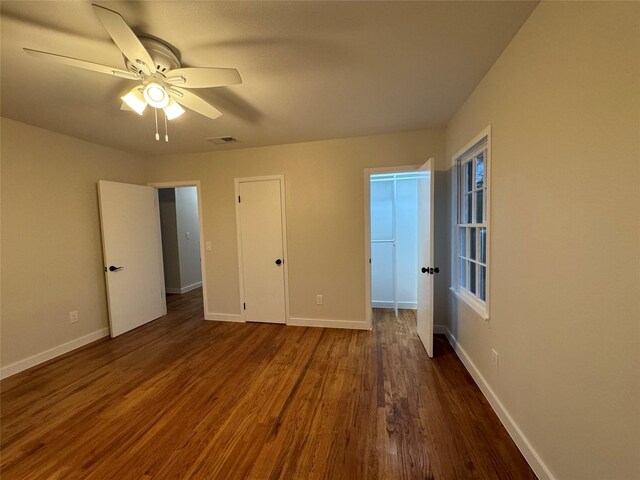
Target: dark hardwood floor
column 186, row 398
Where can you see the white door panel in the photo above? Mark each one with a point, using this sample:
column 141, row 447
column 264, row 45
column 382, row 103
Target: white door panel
column 131, row 241
column 261, row 237
column 425, row 256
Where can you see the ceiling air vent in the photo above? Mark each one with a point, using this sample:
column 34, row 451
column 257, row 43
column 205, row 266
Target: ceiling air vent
column 222, row 140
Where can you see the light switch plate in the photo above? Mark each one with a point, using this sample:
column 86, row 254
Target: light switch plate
column 494, row 359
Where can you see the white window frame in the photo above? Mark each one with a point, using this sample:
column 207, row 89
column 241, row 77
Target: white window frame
column 480, row 142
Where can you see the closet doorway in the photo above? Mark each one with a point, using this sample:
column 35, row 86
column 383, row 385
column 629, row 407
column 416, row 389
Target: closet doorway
column 262, row 247
column 399, row 233
column 394, row 240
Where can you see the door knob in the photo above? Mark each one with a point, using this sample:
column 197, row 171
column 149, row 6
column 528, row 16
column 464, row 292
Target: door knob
column 424, row 270
column 113, row 268
column 278, row 262
column 436, row 270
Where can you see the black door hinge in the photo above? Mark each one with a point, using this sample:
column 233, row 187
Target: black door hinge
column 239, row 201
column 244, row 305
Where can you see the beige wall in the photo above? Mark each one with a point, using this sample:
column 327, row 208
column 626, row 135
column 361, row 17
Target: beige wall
column 169, row 232
column 325, row 213
column 51, row 255
column 187, row 222
column 564, row 104
column 51, row 247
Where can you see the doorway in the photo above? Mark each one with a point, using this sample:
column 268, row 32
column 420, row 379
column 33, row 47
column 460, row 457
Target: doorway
column 180, row 210
column 399, row 243
column 262, row 249
column 394, row 240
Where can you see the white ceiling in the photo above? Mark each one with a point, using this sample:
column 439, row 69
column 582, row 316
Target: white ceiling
column 311, row 70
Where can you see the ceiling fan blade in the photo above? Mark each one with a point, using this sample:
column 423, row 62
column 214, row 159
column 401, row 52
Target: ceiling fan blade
column 203, row 77
column 125, row 39
column 75, row 62
column 195, row 103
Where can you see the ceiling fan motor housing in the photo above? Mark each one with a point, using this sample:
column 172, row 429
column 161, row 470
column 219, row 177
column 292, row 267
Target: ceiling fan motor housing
column 164, row 58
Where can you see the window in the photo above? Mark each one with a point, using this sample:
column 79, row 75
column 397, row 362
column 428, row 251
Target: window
column 470, row 283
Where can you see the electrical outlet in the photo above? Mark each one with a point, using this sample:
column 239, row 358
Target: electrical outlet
column 318, row 299
column 207, row 245
column 494, row 359
column 73, row 316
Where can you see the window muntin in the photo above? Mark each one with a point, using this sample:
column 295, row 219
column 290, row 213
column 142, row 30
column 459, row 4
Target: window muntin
column 472, row 222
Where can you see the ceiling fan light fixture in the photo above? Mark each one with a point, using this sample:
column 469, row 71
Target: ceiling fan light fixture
column 156, row 95
column 173, row 109
column 155, row 67
column 135, row 100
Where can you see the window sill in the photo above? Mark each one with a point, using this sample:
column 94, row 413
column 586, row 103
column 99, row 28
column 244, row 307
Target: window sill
column 471, row 302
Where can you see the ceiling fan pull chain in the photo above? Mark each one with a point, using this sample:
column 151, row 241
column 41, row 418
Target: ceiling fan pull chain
column 166, row 128
column 155, row 111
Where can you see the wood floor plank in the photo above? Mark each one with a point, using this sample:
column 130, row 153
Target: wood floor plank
column 185, row 398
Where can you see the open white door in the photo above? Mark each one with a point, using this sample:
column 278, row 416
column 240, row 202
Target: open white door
column 425, row 256
column 132, row 252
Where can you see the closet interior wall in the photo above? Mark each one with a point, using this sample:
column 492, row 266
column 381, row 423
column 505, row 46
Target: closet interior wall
column 394, row 240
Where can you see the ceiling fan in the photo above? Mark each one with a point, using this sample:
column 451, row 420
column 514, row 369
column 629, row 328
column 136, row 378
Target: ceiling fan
column 163, row 82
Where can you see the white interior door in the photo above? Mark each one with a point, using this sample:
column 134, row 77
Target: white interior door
column 132, row 251
column 425, row 256
column 261, row 239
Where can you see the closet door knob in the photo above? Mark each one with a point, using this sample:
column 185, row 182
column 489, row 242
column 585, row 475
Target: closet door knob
column 278, row 262
column 424, row 270
column 436, row 270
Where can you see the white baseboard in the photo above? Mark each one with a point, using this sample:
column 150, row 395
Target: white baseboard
column 188, row 288
column 54, row 352
column 295, row 322
column 441, row 330
column 224, row 317
column 325, row 323
column 403, row 305
column 535, row 462
column 180, row 291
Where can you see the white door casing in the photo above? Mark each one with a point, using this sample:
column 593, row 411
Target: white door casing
column 425, row 255
column 132, row 253
column 262, row 249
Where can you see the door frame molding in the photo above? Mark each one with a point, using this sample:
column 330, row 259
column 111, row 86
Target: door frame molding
column 203, row 270
column 367, row 230
column 285, row 251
